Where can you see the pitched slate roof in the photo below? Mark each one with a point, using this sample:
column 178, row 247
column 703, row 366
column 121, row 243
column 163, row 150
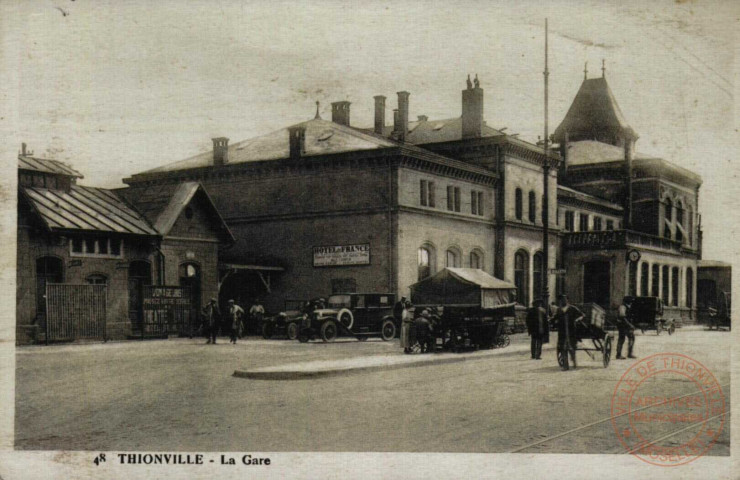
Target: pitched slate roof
column 163, row 204
column 593, row 110
column 27, row 162
column 436, row 131
column 86, row 209
column 322, row 137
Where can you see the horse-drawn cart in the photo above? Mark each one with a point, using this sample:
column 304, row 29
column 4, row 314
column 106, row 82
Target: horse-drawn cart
column 467, row 308
column 592, row 327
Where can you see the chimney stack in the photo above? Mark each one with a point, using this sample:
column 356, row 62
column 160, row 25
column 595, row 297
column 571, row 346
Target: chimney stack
column 379, row 114
column 472, row 109
column 403, row 116
column 220, row 151
column 297, row 141
column 23, row 148
column 340, row 112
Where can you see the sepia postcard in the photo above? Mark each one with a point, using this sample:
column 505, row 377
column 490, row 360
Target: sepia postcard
column 336, row 239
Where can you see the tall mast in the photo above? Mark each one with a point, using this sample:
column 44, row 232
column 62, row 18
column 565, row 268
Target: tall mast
column 546, row 197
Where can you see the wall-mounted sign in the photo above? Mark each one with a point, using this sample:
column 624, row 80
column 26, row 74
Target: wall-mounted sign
column 336, row 255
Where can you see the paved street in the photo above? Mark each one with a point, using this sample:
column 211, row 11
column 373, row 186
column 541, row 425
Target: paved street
column 181, row 395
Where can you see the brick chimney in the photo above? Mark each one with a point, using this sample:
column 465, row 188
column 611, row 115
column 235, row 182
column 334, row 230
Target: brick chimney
column 472, row 110
column 379, row 114
column 340, row 112
column 297, row 141
column 403, row 115
column 220, row 151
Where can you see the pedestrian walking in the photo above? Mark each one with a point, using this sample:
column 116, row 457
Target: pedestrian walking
column 256, row 313
column 406, row 321
column 234, row 316
column 538, row 328
column 211, row 318
column 626, row 328
column 566, row 318
column 423, row 331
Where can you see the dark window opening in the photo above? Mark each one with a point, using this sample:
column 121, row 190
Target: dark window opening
column 532, row 207
column 518, row 202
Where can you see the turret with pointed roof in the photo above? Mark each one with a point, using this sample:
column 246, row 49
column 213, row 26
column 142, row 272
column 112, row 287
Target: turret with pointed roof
column 595, row 115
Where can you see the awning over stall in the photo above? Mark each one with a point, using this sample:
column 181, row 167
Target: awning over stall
column 463, row 287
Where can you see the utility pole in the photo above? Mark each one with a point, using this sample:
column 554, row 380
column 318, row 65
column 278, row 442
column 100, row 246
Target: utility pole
column 546, row 199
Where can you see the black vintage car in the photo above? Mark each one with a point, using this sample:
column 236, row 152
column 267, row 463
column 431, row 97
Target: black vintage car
column 361, row 315
column 286, row 323
column 646, row 313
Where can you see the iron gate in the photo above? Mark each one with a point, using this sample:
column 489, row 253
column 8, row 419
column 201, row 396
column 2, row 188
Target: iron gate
column 167, row 310
column 75, row 312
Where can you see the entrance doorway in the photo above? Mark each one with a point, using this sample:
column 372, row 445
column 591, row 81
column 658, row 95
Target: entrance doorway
column 597, row 283
column 48, row 270
column 139, row 274
column 190, row 277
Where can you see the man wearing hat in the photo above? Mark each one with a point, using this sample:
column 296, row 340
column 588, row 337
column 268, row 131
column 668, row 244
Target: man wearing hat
column 538, row 328
column 406, row 321
column 566, row 318
column 211, row 316
column 625, row 328
column 235, row 314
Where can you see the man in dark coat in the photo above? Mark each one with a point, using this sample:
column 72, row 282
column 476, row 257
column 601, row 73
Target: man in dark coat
column 625, row 328
column 538, row 328
column 566, row 318
column 211, row 318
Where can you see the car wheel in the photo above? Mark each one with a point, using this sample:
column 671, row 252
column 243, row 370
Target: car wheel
column 388, row 330
column 292, row 330
column 267, row 330
column 329, row 331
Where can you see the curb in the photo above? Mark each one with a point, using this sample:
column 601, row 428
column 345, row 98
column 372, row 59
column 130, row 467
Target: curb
column 264, row 374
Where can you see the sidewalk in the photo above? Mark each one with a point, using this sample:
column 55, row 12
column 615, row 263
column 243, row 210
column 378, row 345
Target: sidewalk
column 326, row 368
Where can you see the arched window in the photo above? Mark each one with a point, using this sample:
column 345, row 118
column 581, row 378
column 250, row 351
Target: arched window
column 532, row 207
column 674, row 286
column 689, row 288
column 644, row 280
column 425, row 262
column 452, row 258
column 97, row 279
column 632, row 280
column 690, row 229
column 655, row 290
column 476, row 259
column 679, row 221
column 666, row 286
column 518, row 203
column 538, row 261
column 521, row 277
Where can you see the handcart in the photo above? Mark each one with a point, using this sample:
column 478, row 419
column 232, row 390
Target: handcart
column 591, row 328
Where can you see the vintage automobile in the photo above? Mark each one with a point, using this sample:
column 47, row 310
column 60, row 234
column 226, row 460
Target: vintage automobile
column 286, row 323
column 468, row 310
column 646, row 313
column 361, row 315
column 720, row 317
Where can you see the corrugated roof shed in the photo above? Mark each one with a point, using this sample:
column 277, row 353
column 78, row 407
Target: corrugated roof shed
column 26, row 162
column 87, row 209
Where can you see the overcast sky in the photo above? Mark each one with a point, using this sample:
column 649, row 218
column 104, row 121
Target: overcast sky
column 115, row 88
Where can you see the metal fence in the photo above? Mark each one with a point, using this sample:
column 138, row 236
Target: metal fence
column 75, row 312
column 167, row 310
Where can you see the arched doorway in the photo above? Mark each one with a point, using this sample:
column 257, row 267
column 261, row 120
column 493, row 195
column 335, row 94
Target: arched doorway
column 48, row 270
column 597, row 283
column 139, row 274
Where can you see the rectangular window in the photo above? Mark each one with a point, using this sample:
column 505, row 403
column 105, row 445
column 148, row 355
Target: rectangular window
column 480, row 203
column 597, row 224
column 423, row 196
column 115, row 246
column 473, row 202
column 450, row 198
column 76, row 245
column 103, row 246
column 610, row 224
column 570, row 221
column 96, row 247
column 430, row 187
column 457, row 199
column 557, row 216
column 583, row 226
column 89, row 245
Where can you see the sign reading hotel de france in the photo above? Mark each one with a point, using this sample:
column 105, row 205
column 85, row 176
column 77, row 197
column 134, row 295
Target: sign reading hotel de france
column 337, row 255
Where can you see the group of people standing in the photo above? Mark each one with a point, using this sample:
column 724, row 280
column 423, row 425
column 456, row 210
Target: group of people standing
column 565, row 316
column 232, row 320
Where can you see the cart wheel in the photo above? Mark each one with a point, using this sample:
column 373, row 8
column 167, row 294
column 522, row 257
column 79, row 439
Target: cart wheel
column 563, row 358
column 388, row 330
column 607, row 350
column 267, row 330
column 329, row 331
column 505, row 341
column 303, row 338
column 292, row 330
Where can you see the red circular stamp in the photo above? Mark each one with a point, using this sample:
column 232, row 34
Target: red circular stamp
column 661, row 421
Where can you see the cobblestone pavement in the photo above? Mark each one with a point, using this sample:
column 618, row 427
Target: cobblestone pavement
column 180, row 394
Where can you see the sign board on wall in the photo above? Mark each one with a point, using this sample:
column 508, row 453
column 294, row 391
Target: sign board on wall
column 337, row 255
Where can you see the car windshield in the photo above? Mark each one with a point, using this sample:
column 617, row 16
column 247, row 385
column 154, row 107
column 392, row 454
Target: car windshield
column 339, row 301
